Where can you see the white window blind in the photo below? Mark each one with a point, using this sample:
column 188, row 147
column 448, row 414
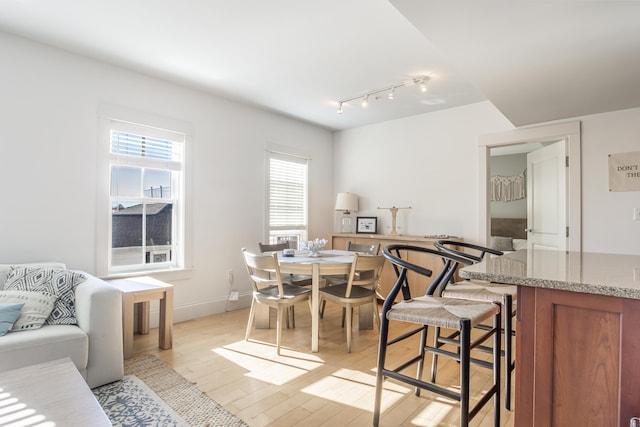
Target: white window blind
column 287, row 196
column 134, row 144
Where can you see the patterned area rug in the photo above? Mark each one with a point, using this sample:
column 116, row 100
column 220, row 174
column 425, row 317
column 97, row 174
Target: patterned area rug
column 152, row 394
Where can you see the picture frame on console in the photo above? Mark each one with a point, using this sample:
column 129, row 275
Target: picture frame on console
column 367, row 224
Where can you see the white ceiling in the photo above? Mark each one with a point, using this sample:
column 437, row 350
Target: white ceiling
column 539, row 60
column 535, row 61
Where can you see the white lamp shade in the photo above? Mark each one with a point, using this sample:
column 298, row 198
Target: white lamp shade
column 347, row 202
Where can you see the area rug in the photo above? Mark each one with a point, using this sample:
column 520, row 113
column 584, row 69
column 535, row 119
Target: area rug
column 153, row 394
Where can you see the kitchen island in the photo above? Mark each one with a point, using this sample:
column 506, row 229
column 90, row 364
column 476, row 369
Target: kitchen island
column 577, row 335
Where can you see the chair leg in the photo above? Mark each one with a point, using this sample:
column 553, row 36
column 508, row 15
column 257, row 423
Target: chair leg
column 293, row 316
column 382, row 355
column 508, row 347
column 376, row 312
column 252, row 314
column 465, row 361
column 421, row 354
column 497, row 354
column 434, row 356
column 279, row 328
column 349, row 311
column 343, row 314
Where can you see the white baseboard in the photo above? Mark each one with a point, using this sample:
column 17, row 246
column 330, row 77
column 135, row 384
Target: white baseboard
column 201, row 309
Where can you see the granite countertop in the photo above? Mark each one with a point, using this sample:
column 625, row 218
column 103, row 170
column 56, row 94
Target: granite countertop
column 586, row 272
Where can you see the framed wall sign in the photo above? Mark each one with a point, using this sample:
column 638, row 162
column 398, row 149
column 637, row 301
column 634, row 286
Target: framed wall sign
column 367, row 224
column 624, row 171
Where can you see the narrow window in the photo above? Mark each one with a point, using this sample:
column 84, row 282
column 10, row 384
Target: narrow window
column 287, row 191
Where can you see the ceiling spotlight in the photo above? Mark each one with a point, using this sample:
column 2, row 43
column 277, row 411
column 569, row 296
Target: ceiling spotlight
column 392, row 93
column 365, row 100
column 340, row 108
column 423, row 85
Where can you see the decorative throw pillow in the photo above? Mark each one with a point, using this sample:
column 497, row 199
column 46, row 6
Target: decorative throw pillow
column 9, row 313
column 501, row 243
column 36, row 310
column 58, row 282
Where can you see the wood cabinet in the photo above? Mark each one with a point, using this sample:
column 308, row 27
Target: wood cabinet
column 577, row 357
column 418, row 284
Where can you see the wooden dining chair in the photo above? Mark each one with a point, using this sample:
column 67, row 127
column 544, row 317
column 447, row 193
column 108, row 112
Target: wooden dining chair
column 274, row 247
column 292, row 279
column 358, row 290
column 270, row 290
column 342, row 279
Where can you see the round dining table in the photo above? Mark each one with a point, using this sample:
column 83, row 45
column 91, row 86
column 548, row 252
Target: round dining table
column 328, row 262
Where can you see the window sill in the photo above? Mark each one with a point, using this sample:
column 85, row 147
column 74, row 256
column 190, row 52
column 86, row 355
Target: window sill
column 164, row 274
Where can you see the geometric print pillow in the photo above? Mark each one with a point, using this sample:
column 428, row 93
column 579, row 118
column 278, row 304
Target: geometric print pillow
column 54, row 281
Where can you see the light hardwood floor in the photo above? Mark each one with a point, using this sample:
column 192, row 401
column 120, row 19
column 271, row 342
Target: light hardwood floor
column 300, row 388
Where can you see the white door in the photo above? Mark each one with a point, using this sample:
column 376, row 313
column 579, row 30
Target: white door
column 546, row 198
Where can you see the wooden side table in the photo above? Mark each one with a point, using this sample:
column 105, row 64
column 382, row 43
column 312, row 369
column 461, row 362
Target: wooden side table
column 142, row 290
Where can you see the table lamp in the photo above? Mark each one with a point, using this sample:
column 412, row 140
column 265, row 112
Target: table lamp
column 347, row 202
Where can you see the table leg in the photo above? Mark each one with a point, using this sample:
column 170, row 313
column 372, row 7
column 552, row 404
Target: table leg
column 165, row 327
column 143, row 317
column 315, row 307
column 365, row 316
column 127, row 325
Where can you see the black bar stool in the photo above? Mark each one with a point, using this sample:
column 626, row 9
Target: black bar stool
column 476, row 290
column 430, row 310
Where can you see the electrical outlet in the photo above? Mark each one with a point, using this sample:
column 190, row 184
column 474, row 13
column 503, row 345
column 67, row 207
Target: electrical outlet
column 233, row 296
column 636, row 214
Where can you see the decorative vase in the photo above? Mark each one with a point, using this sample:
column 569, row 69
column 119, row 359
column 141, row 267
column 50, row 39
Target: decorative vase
column 314, row 246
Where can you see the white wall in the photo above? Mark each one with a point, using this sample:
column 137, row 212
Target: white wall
column 430, row 163
column 49, row 102
column 607, row 216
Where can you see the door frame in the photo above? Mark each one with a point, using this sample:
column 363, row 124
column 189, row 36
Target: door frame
column 568, row 131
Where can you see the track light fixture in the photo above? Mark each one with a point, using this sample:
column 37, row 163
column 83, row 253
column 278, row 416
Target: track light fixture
column 421, row 81
column 392, row 93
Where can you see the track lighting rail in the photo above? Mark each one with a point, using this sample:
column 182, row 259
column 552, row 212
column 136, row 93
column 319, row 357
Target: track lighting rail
column 422, row 81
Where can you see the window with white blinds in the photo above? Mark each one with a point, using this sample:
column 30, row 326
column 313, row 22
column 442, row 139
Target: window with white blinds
column 146, row 198
column 287, row 189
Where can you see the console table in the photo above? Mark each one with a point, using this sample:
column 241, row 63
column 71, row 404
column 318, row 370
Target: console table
column 577, row 336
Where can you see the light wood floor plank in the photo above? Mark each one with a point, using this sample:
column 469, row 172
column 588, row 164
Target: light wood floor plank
column 305, row 389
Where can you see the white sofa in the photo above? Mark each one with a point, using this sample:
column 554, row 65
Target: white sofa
column 94, row 345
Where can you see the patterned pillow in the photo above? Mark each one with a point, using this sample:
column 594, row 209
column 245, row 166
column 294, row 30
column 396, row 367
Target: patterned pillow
column 36, row 310
column 9, row 313
column 58, row 282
